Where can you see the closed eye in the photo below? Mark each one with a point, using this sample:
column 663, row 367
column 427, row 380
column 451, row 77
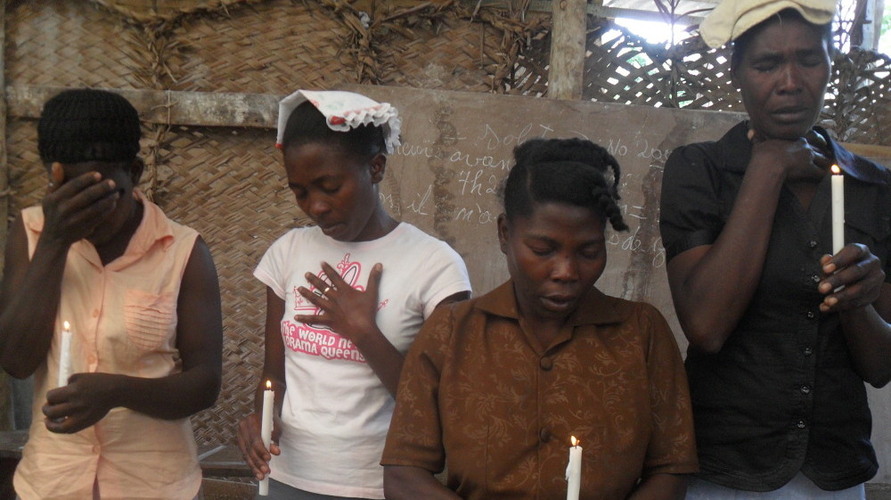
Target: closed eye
column 540, row 250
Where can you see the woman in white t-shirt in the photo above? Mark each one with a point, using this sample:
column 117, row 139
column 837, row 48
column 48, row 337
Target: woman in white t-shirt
column 345, row 299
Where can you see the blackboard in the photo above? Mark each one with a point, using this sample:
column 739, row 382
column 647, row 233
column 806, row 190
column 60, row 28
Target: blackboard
column 457, row 148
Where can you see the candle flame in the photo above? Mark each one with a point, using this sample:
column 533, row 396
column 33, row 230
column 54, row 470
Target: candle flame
column 67, row 325
column 268, row 384
column 835, row 170
column 575, row 442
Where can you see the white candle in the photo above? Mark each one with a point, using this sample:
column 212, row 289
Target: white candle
column 65, row 355
column 838, row 210
column 266, row 429
column 574, row 470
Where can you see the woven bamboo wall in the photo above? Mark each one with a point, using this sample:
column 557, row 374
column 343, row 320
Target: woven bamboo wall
column 227, row 181
column 623, row 68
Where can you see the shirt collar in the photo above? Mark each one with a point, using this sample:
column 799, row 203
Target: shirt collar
column 858, row 168
column 596, row 308
column 154, row 228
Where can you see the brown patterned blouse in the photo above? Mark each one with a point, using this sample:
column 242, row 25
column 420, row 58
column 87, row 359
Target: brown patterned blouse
column 481, row 396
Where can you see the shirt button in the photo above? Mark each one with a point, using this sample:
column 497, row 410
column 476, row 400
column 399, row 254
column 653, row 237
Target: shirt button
column 811, row 315
column 812, row 244
column 544, row 435
column 815, row 278
column 546, row 364
column 801, row 424
column 805, row 389
column 807, row 351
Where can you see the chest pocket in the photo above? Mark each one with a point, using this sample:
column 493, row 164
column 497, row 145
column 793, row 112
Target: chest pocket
column 149, row 318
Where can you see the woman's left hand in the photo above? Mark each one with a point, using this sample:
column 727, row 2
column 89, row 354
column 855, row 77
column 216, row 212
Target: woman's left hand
column 84, row 401
column 853, row 278
column 345, row 310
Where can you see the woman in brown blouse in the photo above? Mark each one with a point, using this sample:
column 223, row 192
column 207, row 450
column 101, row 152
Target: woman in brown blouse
column 494, row 387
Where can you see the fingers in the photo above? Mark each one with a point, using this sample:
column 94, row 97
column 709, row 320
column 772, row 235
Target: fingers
column 854, row 278
column 754, row 137
column 57, row 411
column 321, row 286
column 255, row 454
column 57, row 173
column 816, row 140
column 374, row 279
column 56, row 177
column 63, row 425
column 63, row 418
column 324, row 290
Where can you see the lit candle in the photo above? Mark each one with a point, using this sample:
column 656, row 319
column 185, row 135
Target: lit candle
column 574, row 470
column 838, row 210
column 266, row 429
column 65, row 355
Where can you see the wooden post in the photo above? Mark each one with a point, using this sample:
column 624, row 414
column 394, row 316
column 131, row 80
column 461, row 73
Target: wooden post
column 567, row 59
column 5, row 392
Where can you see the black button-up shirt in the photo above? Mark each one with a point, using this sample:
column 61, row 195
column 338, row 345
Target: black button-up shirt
column 782, row 394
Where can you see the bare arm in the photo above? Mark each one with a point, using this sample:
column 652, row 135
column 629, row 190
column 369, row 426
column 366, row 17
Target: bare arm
column 31, row 290
column 89, row 396
column 661, row 487
column 249, row 440
column 863, row 301
column 410, row 483
column 31, row 294
column 712, row 285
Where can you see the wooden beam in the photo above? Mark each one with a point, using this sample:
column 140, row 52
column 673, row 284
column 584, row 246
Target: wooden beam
column 207, row 109
column 202, row 109
column 614, row 12
column 567, row 60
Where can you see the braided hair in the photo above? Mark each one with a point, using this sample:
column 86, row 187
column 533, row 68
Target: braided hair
column 307, row 125
column 572, row 171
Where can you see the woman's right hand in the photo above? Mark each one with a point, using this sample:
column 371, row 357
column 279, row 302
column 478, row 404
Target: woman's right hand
column 249, row 440
column 72, row 209
column 803, row 159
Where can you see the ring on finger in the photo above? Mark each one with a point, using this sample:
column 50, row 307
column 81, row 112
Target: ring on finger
column 325, row 292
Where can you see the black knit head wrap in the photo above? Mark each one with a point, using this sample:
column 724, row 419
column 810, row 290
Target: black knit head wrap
column 88, row 125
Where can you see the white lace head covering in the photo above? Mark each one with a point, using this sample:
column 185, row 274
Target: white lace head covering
column 732, row 18
column 343, row 111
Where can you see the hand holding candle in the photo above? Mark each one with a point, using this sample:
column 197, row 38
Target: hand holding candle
column 838, row 210
column 574, row 470
column 266, row 429
column 65, row 355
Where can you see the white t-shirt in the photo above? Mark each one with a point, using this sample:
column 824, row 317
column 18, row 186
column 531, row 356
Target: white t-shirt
column 336, row 412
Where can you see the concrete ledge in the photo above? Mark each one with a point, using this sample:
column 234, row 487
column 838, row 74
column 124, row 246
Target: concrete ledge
column 878, row 491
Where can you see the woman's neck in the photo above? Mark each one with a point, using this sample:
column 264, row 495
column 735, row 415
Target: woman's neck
column 116, row 246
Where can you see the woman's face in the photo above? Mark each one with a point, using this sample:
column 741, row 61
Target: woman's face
column 554, row 257
column 783, row 76
column 335, row 189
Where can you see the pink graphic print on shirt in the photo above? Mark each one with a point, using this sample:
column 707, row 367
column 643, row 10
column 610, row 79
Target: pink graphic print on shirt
column 319, row 340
